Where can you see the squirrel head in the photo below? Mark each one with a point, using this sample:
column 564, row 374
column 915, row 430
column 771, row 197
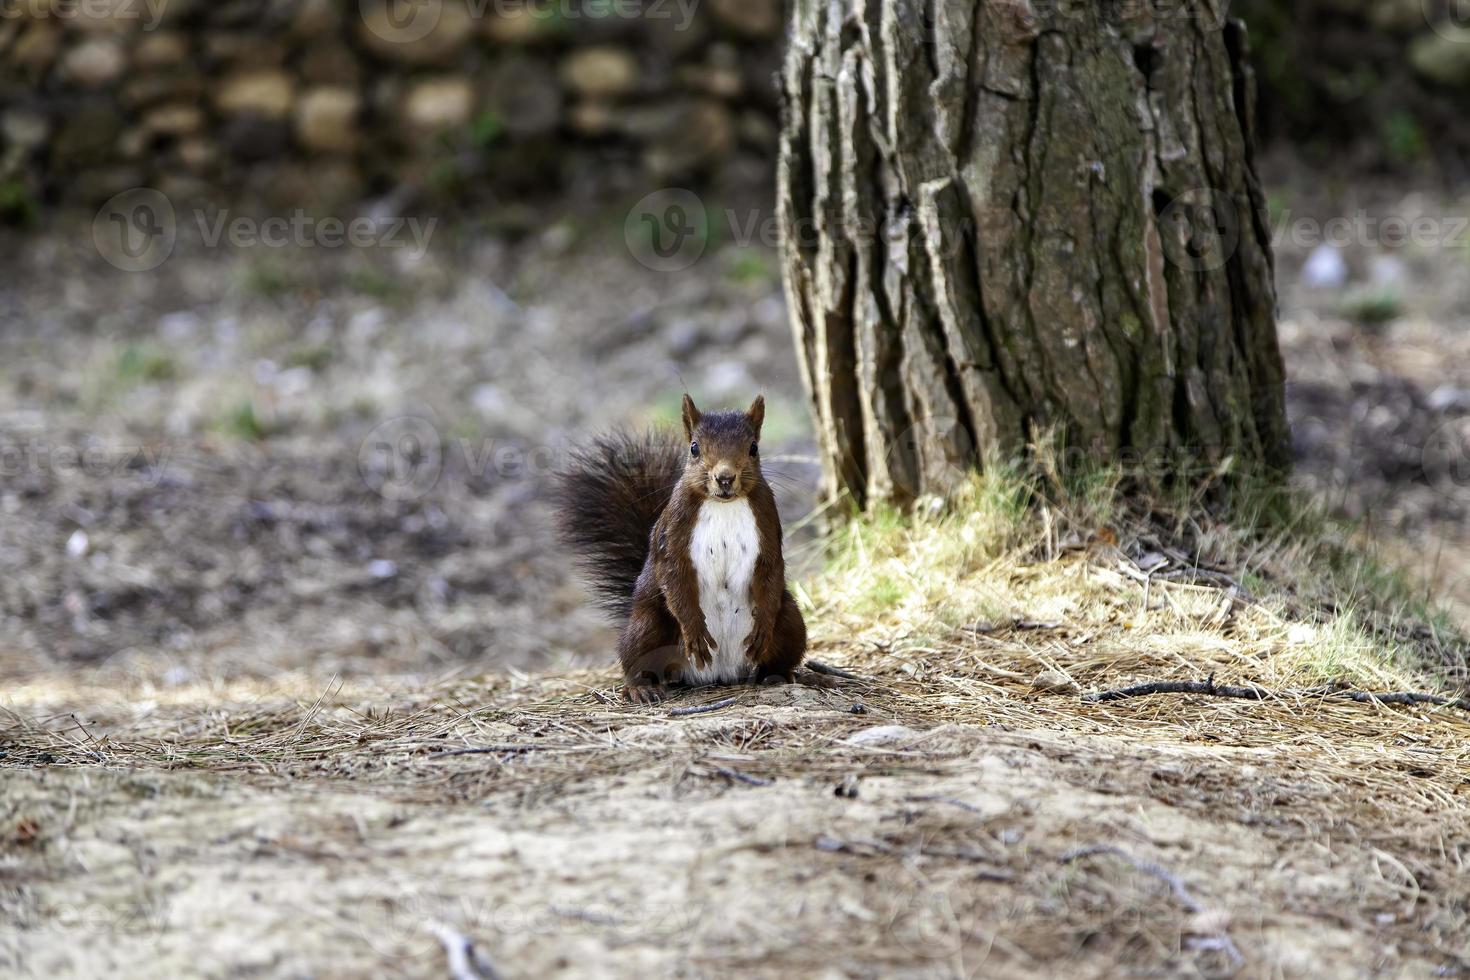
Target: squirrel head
column 724, row 450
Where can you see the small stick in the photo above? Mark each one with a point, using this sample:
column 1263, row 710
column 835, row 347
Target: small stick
column 1254, row 693
column 699, row 709
column 1176, row 885
column 1180, row 687
column 508, row 747
column 817, row 667
column 946, row 799
column 1402, row 697
column 743, row 777
column 855, row 846
column 465, row 962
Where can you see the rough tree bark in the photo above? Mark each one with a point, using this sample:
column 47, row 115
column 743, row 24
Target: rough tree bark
column 1003, row 217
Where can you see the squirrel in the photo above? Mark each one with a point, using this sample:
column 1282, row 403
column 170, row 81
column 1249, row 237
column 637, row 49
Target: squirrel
column 684, row 541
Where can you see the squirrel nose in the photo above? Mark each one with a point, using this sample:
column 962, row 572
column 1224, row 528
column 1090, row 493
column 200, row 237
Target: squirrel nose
column 726, row 481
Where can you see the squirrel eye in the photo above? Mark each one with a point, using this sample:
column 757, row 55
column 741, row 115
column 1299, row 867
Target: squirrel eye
column 694, row 449
column 755, row 449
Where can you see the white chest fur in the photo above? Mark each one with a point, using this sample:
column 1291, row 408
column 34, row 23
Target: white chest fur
column 724, row 549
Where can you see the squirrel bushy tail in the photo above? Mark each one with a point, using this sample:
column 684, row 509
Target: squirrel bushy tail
column 608, row 499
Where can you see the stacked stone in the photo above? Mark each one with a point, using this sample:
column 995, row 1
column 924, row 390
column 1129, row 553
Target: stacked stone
column 314, row 101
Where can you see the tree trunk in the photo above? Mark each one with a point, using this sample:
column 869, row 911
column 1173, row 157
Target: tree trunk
column 1004, row 218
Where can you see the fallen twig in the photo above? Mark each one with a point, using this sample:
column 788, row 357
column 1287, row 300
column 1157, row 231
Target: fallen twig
column 1175, row 883
column 817, row 667
column 1218, row 579
column 511, row 748
column 1252, row 693
column 868, row 847
column 1037, row 624
column 860, row 846
column 699, row 709
column 1018, row 623
column 952, row 801
column 465, row 962
column 1257, row 693
column 743, row 777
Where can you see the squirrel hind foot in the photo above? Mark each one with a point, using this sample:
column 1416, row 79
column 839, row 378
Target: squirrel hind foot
column 637, row 693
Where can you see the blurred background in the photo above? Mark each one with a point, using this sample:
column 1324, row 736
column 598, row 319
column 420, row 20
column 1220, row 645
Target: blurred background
column 304, row 300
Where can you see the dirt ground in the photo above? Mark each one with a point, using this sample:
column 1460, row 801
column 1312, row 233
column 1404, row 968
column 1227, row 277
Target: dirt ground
column 273, row 546
column 799, row 832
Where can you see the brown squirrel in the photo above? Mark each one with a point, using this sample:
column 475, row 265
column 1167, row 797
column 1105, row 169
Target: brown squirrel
column 685, row 541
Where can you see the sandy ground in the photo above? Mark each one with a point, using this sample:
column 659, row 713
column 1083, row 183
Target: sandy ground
column 783, row 836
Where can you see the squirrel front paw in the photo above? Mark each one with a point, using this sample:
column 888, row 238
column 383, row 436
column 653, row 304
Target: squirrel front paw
column 697, row 646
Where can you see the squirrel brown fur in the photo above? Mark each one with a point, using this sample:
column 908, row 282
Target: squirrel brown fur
column 684, row 540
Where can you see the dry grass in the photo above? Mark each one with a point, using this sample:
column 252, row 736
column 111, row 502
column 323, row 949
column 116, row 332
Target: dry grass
column 957, row 808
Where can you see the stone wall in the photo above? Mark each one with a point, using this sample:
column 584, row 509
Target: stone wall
column 324, row 101
column 320, row 102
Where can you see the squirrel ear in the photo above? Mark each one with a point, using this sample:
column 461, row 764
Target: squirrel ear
column 757, row 414
column 692, row 415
